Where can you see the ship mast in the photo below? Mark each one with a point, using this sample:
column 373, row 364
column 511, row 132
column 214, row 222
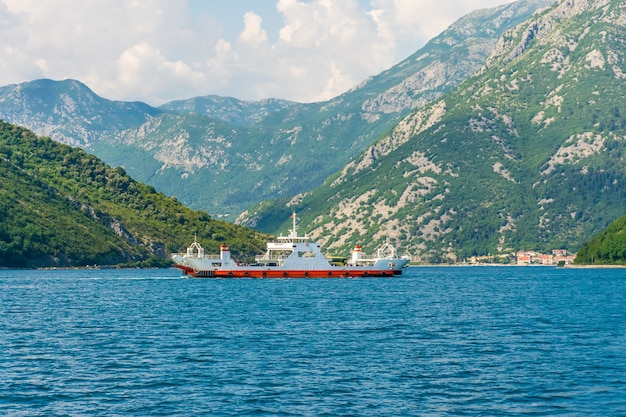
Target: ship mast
column 294, row 234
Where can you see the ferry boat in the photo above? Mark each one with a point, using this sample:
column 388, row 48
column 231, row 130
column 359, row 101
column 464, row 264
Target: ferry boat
column 290, row 256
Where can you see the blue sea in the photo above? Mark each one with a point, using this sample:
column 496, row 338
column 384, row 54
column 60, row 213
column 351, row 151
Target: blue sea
column 436, row 341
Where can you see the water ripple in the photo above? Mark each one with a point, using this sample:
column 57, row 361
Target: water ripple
column 434, row 342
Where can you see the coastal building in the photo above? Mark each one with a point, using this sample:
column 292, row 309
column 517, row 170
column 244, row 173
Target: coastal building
column 556, row 257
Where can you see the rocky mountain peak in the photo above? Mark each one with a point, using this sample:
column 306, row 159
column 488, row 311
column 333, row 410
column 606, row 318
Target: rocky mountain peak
column 528, row 153
column 540, row 27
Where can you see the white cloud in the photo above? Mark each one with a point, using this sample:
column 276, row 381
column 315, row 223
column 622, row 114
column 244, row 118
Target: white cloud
column 346, row 44
column 156, row 50
column 414, row 22
column 253, row 33
column 144, row 71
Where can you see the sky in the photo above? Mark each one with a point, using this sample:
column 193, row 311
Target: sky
column 157, row 51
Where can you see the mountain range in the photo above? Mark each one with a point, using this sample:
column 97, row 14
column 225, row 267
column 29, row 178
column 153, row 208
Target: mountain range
column 527, row 154
column 505, row 132
column 223, row 155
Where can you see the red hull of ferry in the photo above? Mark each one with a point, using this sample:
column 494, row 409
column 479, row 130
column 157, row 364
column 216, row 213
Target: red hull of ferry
column 275, row 273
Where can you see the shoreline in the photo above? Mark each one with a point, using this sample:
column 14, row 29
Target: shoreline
column 523, row 266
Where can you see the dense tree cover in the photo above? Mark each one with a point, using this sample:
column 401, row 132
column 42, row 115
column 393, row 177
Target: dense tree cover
column 606, row 248
column 60, row 206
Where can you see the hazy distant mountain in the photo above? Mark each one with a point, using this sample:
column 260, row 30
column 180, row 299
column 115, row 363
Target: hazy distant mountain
column 228, row 109
column 224, row 155
column 68, row 111
column 529, row 154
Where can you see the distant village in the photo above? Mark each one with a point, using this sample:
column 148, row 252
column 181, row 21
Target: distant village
column 558, row 257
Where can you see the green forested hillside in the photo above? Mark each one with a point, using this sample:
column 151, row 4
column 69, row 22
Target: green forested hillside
column 607, row 248
column 60, row 206
column 528, row 154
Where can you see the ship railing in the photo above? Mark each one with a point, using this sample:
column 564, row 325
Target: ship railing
column 264, row 258
column 195, row 256
column 386, row 251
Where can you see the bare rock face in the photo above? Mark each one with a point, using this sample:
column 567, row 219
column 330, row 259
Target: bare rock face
column 527, row 152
